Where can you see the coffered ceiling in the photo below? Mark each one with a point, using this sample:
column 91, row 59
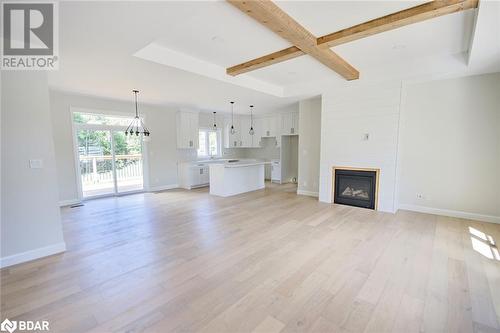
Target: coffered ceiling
column 176, row 53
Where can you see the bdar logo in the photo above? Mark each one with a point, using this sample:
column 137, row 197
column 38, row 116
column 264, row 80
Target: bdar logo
column 8, row 326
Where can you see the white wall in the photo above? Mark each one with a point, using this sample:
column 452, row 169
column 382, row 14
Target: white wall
column 346, row 115
column 309, row 146
column 31, row 221
column 289, row 156
column 161, row 150
column 450, row 146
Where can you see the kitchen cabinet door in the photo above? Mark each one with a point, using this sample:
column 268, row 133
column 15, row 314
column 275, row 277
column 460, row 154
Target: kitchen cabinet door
column 295, row 123
column 258, row 130
column 194, row 178
column 232, row 140
column 245, row 137
column 204, row 175
column 266, row 127
column 187, row 130
column 273, row 126
column 290, row 123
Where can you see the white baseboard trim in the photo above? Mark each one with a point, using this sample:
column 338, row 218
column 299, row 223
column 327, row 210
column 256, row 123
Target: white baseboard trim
column 452, row 213
column 308, row 193
column 163, row 187
column 32, row 254
column 70, row 202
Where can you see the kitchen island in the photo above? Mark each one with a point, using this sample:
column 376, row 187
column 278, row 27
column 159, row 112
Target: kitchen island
column 232, row 178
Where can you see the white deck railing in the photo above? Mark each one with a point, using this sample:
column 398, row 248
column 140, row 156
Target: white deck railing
column 90, row 175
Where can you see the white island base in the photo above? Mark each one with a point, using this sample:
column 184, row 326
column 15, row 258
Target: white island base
column 227, row 179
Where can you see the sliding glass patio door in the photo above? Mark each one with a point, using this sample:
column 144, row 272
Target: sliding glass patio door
column 128, row 162
column 109, row 162
column 96, row 162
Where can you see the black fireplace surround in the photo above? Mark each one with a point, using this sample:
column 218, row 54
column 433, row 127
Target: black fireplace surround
column 355, row 188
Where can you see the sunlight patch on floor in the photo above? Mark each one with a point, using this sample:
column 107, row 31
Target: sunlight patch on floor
column 484, row 244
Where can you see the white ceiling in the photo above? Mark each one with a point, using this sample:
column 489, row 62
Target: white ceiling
column 98, row 41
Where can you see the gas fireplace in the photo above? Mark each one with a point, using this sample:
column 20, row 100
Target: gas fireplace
column 355, row 187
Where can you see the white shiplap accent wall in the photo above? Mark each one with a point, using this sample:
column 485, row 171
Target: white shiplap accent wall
column 347, row 114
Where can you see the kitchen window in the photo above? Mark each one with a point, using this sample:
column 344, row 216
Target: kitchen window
column 209, row 143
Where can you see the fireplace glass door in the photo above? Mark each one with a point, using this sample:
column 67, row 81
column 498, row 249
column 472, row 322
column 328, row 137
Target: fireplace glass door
column 355, row 188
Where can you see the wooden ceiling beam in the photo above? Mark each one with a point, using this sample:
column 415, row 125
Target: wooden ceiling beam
column 272, row 17
column 273, row 58
column 396, row 20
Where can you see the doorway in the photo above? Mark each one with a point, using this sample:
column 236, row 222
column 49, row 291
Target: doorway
column 109, row 162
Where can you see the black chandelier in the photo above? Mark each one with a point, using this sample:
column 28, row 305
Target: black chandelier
column 137, row 125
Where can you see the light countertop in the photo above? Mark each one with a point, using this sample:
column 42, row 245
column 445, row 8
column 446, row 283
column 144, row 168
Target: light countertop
column 238, row 163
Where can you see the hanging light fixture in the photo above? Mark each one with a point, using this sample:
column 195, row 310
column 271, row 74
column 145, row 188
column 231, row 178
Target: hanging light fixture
column 251, row 131
column 214, row 126
column 233, row 131
column 137, row 125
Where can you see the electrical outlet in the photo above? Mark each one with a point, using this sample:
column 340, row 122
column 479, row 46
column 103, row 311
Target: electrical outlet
column 36, row 164
column 366, row 136
column 420, row 196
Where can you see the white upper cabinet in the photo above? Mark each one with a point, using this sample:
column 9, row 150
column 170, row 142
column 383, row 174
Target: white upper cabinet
column 270, row 126
column 258, row 132
column 290, row 123
column 187, row 130
column 245, row 137
column 242, row 137
column 232, row 140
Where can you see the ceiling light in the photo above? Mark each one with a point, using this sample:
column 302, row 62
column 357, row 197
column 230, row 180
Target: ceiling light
column 214, row 126
column 137, row 125
column 251, row 131
column 233, row 131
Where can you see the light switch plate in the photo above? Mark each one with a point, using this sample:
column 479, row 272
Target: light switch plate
column 36, row 164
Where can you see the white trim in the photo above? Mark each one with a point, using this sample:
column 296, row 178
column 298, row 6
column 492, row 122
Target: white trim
column 452, row 213
column 308, row 193
column 163, row 187
column 69, row 202
column 103, row 112
column 207, row 130
column 32, row 254
column 111, row 195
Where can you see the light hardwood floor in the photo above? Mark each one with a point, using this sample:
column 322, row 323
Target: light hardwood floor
column 266, row 261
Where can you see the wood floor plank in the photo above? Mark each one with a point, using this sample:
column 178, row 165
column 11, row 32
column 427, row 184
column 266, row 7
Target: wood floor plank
column 264, row 261
column 269, row 325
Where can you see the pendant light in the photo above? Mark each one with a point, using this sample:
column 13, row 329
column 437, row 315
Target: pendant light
column 137, row 125
column 251, row 132
column 233, row 131
column 214, row 126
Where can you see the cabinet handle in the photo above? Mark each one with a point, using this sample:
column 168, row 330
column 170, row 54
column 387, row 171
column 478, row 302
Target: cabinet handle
column 235, row 144
column 201, row 171
column 190, row 143
column 292, row 130
column 267, row 133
